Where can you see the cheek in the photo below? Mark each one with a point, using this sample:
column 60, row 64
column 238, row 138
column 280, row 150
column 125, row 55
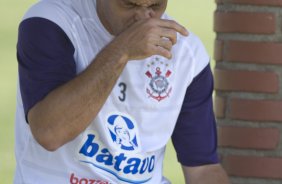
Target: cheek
column 127, row 18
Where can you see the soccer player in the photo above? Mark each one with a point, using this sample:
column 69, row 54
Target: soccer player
column 103, row 86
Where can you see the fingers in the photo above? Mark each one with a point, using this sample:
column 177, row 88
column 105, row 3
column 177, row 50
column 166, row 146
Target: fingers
column 170, row 34
column 170, row 24
column 158, row 50
column 165, row 43
column 151, row 37
column 162, row 46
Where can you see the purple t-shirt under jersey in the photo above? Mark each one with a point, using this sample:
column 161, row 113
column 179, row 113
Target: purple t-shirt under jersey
column 45, row 57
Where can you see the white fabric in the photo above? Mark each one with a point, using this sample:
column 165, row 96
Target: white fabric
column 153, row 119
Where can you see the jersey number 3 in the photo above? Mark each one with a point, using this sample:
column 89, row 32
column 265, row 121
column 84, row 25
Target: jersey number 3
column 122, row 95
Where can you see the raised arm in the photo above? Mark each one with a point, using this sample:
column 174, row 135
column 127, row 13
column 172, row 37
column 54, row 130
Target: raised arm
column 68, row 109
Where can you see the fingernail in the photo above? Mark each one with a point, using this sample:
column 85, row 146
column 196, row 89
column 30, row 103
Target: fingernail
column 186, row 32
column 170, row 56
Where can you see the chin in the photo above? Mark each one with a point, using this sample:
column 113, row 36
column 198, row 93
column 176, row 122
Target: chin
column 117, row 32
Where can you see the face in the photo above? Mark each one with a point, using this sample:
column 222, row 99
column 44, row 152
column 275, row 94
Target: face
column 123, row 134
column 117, row 15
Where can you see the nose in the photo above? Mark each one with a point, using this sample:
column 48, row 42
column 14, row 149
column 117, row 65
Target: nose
column 143, row 13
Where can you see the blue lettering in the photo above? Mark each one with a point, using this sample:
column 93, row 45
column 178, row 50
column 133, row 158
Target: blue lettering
column 121, row 162
column 119, row 159
column 133, row 167
column 106, row 158
column 89, row 148
column 152, row 164
column 144, row 166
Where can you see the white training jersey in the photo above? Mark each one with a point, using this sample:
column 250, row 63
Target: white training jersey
column 125, row 143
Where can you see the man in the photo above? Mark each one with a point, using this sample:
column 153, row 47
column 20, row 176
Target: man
column 87, row 66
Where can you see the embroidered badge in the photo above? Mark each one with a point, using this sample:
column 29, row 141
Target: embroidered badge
column 158, row 73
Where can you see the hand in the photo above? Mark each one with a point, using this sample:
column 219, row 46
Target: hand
column 149, row 37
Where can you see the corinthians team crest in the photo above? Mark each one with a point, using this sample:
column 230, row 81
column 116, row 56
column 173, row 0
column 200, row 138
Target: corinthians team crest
column 158, row 73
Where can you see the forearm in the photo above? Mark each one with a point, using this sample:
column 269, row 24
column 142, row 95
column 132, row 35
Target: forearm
column 208, row 174
column 66, row 111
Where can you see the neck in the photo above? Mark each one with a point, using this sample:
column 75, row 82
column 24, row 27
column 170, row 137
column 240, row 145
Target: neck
column 102, row 17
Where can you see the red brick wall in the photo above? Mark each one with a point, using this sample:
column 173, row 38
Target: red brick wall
column 248, row 84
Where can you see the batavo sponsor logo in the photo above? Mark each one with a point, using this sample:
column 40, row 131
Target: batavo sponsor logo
column 76, row 180
column 124, row 133
column 125, row 166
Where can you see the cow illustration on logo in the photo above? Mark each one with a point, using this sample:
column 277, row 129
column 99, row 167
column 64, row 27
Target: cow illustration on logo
column 123, row 132
column 158, row 75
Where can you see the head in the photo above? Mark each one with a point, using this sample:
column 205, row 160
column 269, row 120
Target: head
column 117, row 15
column 122, row 134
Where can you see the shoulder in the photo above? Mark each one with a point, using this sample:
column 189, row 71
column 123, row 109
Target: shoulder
column 48, row 9
column 193, row 46
column 58, row 12
column 194, row 51
column 191, row 49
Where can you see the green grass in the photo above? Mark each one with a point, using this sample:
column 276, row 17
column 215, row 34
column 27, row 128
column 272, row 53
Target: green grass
column 194, row 14
column 11, row 12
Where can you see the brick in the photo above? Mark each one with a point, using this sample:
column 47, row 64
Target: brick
column 253, row 52
column 248, row 81
column 256, row 110
column 251, row 166
column 219, row 107
column 244, row 22
column 249, row 138
column 253, row 2
column 218, row 50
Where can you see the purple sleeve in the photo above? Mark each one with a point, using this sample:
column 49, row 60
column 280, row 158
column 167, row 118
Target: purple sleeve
column 45, row 59
column 195, row 136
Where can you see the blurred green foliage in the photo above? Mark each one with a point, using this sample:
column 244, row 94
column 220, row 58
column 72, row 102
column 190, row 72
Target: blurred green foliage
column 194, row 14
